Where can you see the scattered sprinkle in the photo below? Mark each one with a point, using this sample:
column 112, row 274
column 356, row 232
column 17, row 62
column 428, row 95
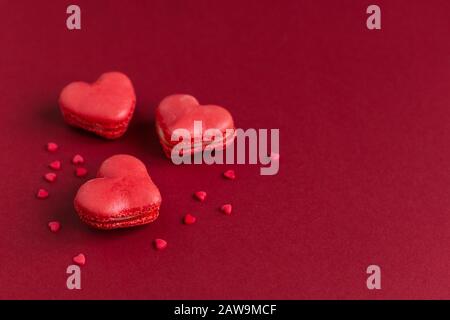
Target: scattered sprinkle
column 189, row 219
column 52, row 147
column 50, row 177
column 42, row 194
column 226, row 209
column 77, row 159
column 54, row 226
column 160, row 244
column 81, row 172
column 230, row 174
column 275, row 156
column 79, row 259
column 200, row 196
column 55, row 165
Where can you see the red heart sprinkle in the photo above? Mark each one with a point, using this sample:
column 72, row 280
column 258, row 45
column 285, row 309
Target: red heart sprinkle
column 229, row 174
column 50, row 177
column 77, row 159
column 54, row 226
column 226, row 209
column 79, row 259
column 275, row 156
column 42, row 194
column 52, row 147
column 160, row 244
column 200, row 195
column 81, row 172
column 189, row 219
column 55, row 165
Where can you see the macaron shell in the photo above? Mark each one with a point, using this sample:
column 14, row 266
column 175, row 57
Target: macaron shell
column 110, row 98
column 180, row 111
column 167, row 146
column 167, row 113
column 118, row 199
column 122, row 165
column 104, row 107
column 143, row 216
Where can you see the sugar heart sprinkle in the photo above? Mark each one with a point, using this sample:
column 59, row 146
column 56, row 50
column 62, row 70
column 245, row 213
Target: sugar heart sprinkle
column 200, row 196
column 275, row 156
column 79, row 259
column 189, row 219
column 52, row 147
column 54, row 226
column 55, row 165
column 160, row 244
column 81, row 172
column 226, row 209
column 42, row 194
column 230, row 174
column 50, row 177
column 77, row 159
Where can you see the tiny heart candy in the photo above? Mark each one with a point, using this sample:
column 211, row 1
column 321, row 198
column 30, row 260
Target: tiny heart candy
column 42, row 194
column 275, row 156
column 160, row 244
column 81, row 172
column 230, row 174
column 50, row 177
column 179, row 111
column 54, row 226
column 55, row 165
column 189, row 219
column 200, row 196
column 79, row 259
column 104, row 107
column 77, row 159
column 123, row 195
column 226, row 209
column 52, row 147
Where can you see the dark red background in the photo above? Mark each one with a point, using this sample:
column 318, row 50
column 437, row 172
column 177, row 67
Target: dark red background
column 365, row 148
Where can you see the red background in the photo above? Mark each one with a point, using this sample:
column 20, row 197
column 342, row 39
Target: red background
column 364, row 179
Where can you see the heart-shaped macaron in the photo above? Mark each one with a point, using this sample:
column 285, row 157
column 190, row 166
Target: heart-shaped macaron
column 123, row 195
column 104, row 107
column 180, row 111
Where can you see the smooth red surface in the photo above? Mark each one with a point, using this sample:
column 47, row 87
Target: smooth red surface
column 364, row 120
